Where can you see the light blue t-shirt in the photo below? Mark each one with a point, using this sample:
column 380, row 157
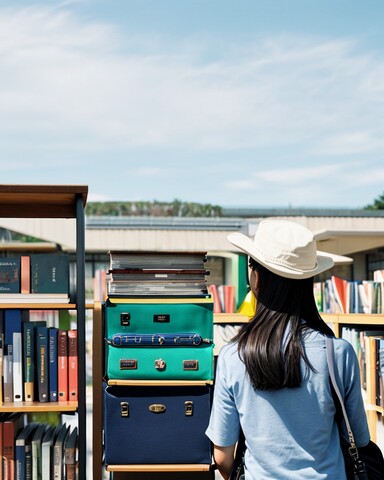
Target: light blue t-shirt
column 290, row 433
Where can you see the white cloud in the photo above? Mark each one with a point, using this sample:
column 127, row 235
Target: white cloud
column 79, row 85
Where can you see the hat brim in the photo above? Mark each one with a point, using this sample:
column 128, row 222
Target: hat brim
column 244, row 243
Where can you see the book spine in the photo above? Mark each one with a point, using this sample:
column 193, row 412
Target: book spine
column 53, row 364
column 72, row 366
column 25, row 274
column 29, row 360
column 17, row 370
column 42, row 363
column 62, row 373
column 12, row 324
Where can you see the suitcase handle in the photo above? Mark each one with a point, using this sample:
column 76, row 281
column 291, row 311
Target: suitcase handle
column 156, row 339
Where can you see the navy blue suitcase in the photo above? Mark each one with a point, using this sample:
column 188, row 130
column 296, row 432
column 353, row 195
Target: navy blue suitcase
column 157, row 424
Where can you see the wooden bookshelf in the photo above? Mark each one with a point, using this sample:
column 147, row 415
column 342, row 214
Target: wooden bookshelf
column 57, row 202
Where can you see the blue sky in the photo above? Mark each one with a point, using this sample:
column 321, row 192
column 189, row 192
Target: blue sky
column 233, row 103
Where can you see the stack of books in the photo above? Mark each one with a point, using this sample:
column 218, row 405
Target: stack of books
column 136, row 274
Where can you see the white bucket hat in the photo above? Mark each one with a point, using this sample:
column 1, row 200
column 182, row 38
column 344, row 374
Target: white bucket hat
column 285, row 248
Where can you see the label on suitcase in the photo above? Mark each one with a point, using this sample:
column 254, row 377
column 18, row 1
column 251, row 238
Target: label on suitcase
column 157, row 425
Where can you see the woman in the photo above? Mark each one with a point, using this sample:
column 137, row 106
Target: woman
column 272, row 380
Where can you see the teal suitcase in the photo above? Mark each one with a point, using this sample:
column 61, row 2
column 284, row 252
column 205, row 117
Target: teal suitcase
column 128, row 359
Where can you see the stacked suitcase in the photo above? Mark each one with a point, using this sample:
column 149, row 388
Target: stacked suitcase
column 158, row 367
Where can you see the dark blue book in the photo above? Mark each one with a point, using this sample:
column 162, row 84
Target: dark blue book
column 50, row 273
column 29, row 358
column 9, row 275
column 12, row 324
column 22, row 449
column 53, row 364
column 42, row 358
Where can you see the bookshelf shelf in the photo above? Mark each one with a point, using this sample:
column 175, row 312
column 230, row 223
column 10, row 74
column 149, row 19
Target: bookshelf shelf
column 39, row 407
column 230, row 318
column 55, row 202
column 158, row 468
column 155, row 383
column 39, row 306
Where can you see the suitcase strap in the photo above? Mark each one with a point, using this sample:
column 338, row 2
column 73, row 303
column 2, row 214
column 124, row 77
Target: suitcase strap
column 157, row 339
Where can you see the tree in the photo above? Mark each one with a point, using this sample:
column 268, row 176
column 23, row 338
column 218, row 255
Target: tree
column 378, row 204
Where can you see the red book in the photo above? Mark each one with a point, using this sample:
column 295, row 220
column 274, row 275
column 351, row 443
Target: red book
column 216, row 299
column 62, row 368
column 340, row 290
column 72, row 366
column 25, row 274
column 229, row 298
column 11, row 427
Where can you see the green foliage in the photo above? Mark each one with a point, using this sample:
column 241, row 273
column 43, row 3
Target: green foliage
column 177, row 208
column 378, row 204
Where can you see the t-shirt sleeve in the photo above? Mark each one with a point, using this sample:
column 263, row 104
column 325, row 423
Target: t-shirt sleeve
column 224, row 426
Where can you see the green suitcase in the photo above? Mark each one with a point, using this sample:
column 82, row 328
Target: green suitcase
column 128, row 317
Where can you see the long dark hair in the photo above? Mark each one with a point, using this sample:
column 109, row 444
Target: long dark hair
column 271, row 344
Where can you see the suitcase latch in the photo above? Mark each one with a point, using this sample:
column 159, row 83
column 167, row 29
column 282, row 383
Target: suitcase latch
column 157, row 408
column 125, row 319
column 188, row 408
column 124, row 406
column 160, row 364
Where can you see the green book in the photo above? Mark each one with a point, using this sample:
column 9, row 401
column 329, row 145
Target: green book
column 50, row 273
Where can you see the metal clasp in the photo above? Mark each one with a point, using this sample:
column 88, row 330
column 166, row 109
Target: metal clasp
column 188, row 408
column 124, row 406
column 160, row 364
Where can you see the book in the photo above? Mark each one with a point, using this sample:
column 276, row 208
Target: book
column 47, row 452
column 53, row 363
column 339, row 286
column 72, row 366
column 62, row 369
column 23, row 447
column 9, row 274
column 58, row 452
column 12, row 323
column 11, row 428
column 25, row 274
column 34, row 298
column 212, row 289
column 157, row 260
column 17, row 368
column 49, row 273
column 42, row 356
column 36, row 451
column 70, row 455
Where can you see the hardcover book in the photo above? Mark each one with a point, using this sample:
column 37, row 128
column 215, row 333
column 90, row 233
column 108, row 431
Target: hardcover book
column 49, row 273
column 53, row 363
column 11, row 428
column 58, row 452
column 12, row 323
column 42, row 356
column 62, row 369
column 9, row 275
column 25, row 274
column 72, row 366
column 23, row 447
column 36, row 451
column 47, row 452
column 70, row 455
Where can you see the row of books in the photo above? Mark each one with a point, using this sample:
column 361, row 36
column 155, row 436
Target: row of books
column 369, row 343
column 37, row 451
column 38, row 277
column 137, row 274
column 39, row 363
column 223, row 298
column 337, row 295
